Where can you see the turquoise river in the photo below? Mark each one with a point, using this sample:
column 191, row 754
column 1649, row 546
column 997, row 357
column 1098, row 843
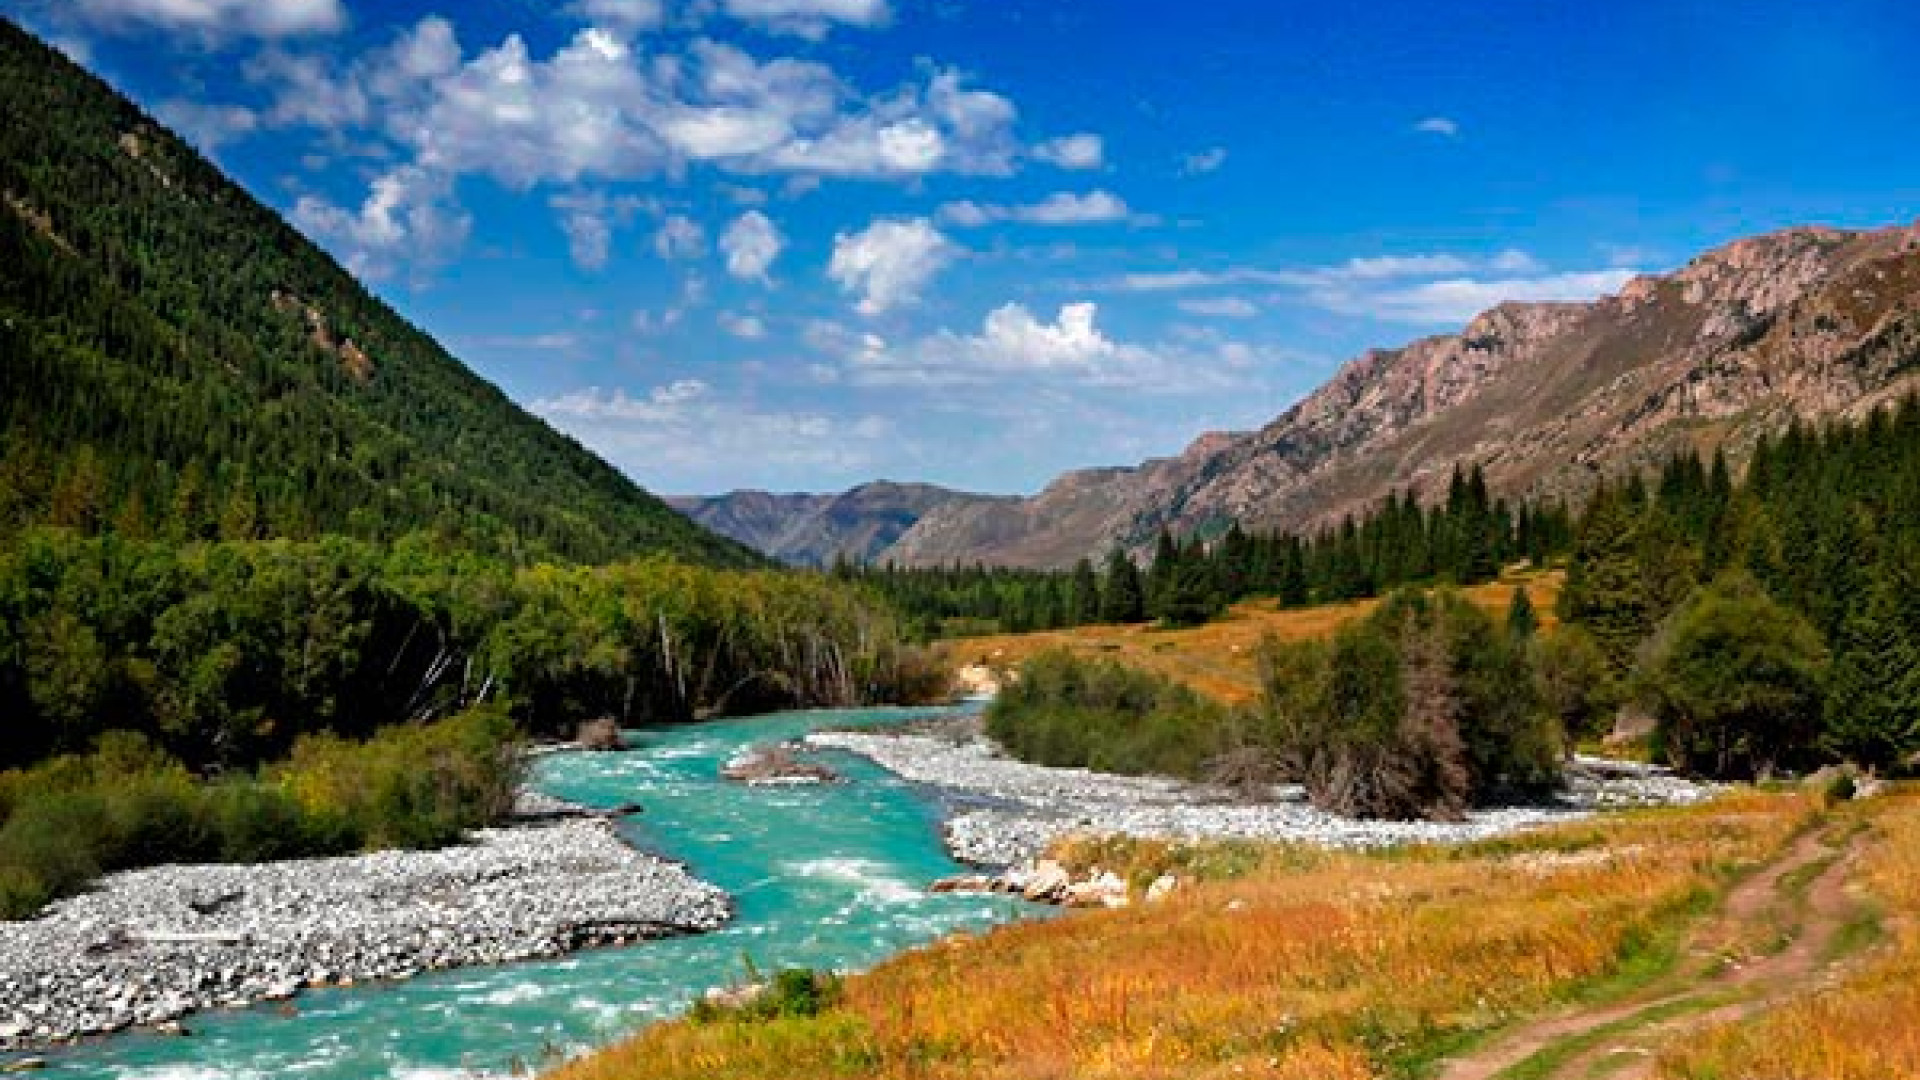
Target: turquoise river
column 826, row 877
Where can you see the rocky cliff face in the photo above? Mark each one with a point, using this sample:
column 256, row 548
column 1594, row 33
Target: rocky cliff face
column 1810, row 322
column 805, row 529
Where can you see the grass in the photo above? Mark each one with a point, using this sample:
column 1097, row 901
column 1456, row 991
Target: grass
column 1294, row 963
column 1867, row 1027
column 1218, row 659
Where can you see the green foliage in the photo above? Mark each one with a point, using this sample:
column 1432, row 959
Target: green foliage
column 1577, row 684
column 1107, row 716
column 1735, row 681
column 1416, row 711
column 1873, row 688
column 1825, row 523
column 225, row 654
column 127, row 804
column 176, row 361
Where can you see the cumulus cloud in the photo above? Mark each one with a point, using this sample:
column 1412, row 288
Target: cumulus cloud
column 751, row 244
column 679, row 237
column 217, row 19
column 597, row 108
column 1015, row 345
column 810, row 19
column 1203, row 162
column 684, row 436
column 1082, row 151
column 1444, row 126
column 408, row 217
column 887, row 263
column 1061, row 208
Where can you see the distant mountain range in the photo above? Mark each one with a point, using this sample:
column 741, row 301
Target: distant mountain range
column 860, row 525
column 175, row 359
column 1807, row 322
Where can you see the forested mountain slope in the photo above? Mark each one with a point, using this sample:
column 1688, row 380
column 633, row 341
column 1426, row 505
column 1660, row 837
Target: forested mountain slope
column 1547, row 398
column 176, row 360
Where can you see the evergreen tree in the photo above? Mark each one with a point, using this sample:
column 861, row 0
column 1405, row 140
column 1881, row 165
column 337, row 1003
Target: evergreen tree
column 1123, row 599
column 1873, row 688
column 1522, row 622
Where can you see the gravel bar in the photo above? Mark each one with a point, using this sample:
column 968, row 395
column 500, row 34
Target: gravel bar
column 1036, row 805
column 146, row 947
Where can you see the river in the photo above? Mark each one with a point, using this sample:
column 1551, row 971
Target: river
column 827, row 877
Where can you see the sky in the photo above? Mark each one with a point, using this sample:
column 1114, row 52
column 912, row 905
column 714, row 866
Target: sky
column 801, row 244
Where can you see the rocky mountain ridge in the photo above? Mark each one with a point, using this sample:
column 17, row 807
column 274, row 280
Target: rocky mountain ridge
column 815, row 529
column 1810, row 322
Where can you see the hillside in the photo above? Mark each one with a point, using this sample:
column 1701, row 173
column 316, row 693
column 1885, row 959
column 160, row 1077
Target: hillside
column 807, row 529
column 176, row 359
column 1808, row 322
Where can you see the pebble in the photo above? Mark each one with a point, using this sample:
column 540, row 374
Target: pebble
column 145, row 948
column 1036, row 805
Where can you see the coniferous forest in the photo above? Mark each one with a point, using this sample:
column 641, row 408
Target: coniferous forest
column 1463, row 539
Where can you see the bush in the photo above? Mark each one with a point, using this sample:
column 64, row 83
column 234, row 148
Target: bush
column 126, row 805
column 1104, row 715
column 1735, row 680
column 1419, row 710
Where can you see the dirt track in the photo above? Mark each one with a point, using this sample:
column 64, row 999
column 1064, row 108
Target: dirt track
column 1721, row 975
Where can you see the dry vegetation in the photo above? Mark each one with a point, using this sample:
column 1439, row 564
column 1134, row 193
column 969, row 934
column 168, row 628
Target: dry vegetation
column 1218, row 659
column 1307, row 964
column 1868, row 1028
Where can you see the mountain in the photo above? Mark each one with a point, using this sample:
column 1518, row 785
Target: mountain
column 176, row 359
column 1807, row 322
column 802, row 529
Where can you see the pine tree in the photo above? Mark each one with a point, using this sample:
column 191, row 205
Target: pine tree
column 1123, row 599
column 1522, row 622
column 1873, row 688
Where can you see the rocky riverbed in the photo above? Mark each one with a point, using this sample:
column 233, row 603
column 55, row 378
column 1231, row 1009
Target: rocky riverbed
column 1031, row 806
column 147, row 947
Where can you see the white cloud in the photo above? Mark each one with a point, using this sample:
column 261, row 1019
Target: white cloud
column 1203, row 162
column 888, row 262
column 206, row 125
column 218, row 19
column 810, row 19
column 744, row 327
column 1456, row 300
column 1082, row 151
column 1015, row 346
column 685, row 434
column 1219, row 307
column 750, row 245
column 680, row 237
column 1423, row 288
column 1444, row 126
column 1061, row 208
column 625, row 15
column 589, row 220
column 408, row 217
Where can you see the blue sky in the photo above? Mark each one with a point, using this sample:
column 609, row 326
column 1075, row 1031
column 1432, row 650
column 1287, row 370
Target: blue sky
column 797, row 244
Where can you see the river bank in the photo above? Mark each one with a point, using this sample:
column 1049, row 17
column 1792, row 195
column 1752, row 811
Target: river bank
column 148, row 947
column 1021, row 809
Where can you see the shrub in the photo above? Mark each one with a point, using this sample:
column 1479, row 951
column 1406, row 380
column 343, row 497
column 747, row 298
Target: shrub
column 1104, row 715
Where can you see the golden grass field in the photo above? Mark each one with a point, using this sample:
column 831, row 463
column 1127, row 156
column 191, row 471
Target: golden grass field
column 1218, row 659
column 1317, row 965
